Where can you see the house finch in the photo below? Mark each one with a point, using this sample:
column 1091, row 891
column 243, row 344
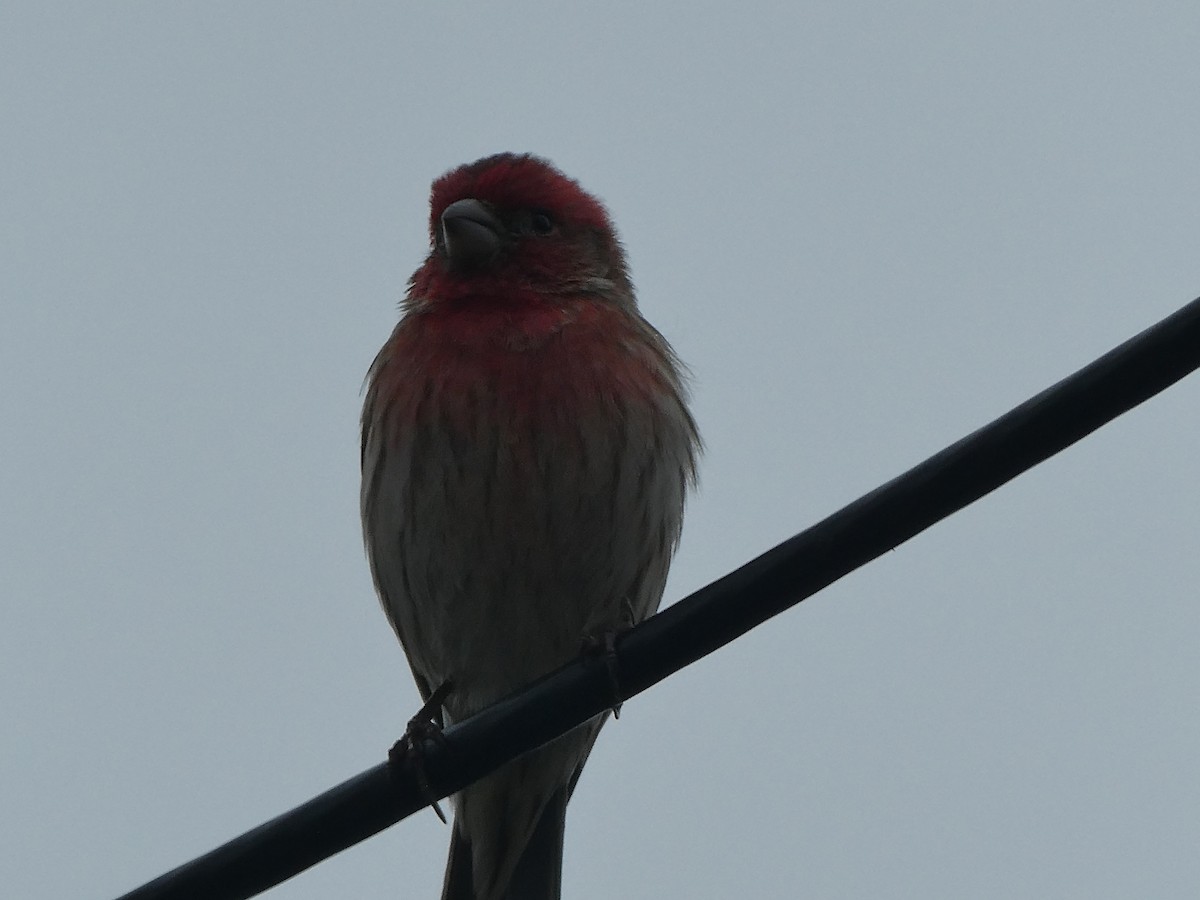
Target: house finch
column 526, row 449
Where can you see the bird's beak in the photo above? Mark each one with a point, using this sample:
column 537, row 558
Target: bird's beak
column 471, row 234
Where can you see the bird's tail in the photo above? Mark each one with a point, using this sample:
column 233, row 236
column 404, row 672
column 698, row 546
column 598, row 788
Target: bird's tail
column 538, row 871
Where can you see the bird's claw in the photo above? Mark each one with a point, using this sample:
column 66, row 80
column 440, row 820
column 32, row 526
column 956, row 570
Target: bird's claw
column 604, row 645
column 423, row 728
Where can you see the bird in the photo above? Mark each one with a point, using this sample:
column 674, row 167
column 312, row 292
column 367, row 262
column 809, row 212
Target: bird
column 527, row 449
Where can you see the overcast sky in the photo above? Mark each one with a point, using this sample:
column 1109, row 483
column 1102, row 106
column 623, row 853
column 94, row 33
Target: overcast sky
column 869, row 228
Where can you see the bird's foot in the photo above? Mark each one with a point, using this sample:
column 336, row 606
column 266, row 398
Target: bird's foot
column 603, row 644
column 423, row 728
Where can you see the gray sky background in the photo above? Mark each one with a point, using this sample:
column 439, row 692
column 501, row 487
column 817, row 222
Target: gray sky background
column 869, row 228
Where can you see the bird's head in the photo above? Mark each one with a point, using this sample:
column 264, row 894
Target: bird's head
column 511, row 227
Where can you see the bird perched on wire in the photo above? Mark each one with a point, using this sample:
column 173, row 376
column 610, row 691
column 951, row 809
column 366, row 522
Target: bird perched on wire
column 526, row 449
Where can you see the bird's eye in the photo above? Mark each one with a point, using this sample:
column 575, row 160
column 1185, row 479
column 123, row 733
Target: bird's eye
column 540, row 223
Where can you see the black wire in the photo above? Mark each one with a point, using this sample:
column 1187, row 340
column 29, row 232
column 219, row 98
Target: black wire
column 702, row 622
